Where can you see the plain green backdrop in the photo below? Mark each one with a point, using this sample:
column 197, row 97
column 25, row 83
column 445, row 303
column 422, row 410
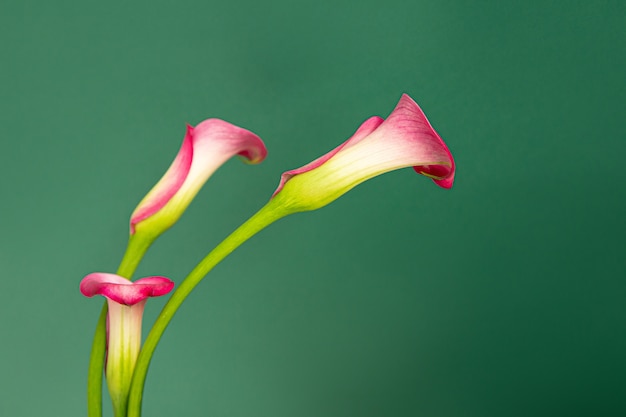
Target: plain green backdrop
column 505, row 296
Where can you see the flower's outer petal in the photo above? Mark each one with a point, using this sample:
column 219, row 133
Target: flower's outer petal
column 365, row 129
column 234, row 140
column 168, row 185
column 205, row 147
column 214, row 142
column 123, row 291
column 412, row 125
column 404, row 139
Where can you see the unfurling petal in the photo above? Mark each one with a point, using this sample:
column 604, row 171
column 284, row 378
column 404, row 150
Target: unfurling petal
column 405, row 139
column 123, row 291
column 205, row 148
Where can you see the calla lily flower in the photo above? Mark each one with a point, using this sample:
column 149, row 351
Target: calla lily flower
column 205, row 148
column 404, row 139
column 126, row 301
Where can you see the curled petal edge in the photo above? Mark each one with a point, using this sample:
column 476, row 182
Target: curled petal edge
column 123, row 291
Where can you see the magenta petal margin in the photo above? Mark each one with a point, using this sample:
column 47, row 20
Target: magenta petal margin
column 169, row 184
column 123, row 291
column 204, row 149
column 365, row 129
column 405, row 138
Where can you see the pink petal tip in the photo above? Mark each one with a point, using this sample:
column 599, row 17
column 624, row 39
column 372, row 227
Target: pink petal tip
column 123, row 291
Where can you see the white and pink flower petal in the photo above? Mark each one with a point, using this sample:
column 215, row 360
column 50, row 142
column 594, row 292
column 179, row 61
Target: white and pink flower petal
column 205, row 148
column 123, row 291
column 405, row 139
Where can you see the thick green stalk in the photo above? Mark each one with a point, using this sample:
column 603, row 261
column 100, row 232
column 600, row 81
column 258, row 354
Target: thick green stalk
column 271, row 212
column 136, row 248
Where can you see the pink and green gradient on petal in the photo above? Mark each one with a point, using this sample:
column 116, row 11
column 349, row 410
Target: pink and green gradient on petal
column 123, row 291
column 126, row 301
column 205, row 148
column 405, row 139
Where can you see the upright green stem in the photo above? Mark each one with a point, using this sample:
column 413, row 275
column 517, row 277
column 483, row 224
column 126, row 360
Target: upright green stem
column 271, row 212
column 96, row 367
column 136, row 248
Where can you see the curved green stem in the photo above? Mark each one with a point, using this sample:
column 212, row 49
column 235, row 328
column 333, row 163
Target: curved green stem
column 271, row 212
column 136, row 248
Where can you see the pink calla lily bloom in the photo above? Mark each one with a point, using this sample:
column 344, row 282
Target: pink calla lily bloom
column 205, row 148
column 404, row 139
column 126, row 301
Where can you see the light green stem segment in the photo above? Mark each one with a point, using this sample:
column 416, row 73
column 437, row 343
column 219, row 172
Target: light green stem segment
column 271, row 212
column 136, row 248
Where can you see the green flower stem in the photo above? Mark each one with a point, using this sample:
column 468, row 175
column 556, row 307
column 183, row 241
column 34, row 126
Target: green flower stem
column 138, row 244
column 135, row 250
column 96, row 367
column 272, row 211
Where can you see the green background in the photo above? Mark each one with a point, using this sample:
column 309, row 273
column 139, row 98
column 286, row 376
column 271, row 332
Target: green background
column 505, row 296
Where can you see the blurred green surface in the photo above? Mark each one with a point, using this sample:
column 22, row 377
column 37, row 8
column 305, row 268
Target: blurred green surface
column 505, row 296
